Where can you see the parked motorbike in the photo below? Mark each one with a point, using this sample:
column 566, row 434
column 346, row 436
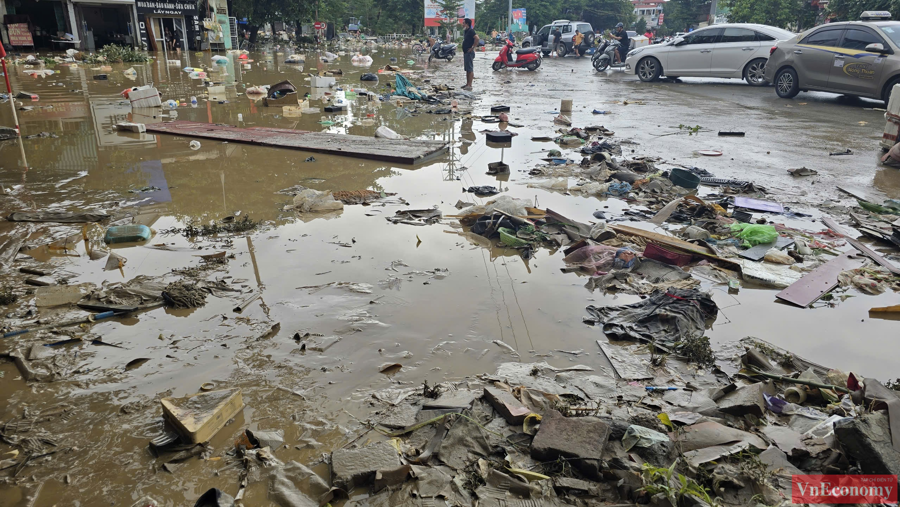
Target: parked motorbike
column 530, row 58
column 442, row 52
column 606, row 54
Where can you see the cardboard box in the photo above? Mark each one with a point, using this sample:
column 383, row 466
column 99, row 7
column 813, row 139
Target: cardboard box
column 200, row 416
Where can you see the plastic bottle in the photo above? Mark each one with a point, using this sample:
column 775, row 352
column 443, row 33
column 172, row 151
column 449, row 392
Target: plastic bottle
column 193, row 101
column 172, row 104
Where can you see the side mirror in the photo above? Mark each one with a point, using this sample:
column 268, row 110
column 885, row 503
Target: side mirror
column 876, row 47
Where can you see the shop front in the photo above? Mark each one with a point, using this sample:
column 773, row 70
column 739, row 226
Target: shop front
column 103, row 22
column 168, row 26
column 37, row 24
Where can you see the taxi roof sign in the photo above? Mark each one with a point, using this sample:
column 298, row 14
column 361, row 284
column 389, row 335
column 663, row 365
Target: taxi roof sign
column 875, row 16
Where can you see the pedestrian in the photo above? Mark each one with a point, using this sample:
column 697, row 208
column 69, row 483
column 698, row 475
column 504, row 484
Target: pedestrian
column 576, row 42
column 470, row 42
column 649, row 34
column 555, row 39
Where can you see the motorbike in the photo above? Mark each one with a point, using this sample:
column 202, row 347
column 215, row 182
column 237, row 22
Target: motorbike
column 530, row 58
column 442, row 51
column 606, row 54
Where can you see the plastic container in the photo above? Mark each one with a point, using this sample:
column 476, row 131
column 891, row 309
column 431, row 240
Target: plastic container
column 658, row 253
column 193, row 100
column 684, row 179
column 500, row 136
column 172, row 104
column 240, row 117
column 508, row 238
column 127, row 234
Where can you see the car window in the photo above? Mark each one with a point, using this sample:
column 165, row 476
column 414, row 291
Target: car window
column 544, row 31
column 823, row 38
column 566, row 29
column 585, row 28
column 763, row 37
column 703, row 37
column 738, row 35
column 859, row 39
column 893, row 33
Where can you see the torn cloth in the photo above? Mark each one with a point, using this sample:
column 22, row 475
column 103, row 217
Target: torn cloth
column 402, row 87
column 664, row 318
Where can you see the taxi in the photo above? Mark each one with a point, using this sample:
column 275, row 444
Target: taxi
column 859, row 58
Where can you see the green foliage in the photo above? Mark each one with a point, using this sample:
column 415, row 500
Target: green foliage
column 640, row 26
column 48, row 61
column 795, row 14
column 601, row 14
column 675, row 487
column 449, row 11
column 849, row 10
column 112, row 53
column 682, row 14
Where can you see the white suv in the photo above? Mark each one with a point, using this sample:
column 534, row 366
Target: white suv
column 542, row 38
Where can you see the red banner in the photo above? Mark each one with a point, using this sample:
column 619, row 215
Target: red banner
column 19, row 34
column 660, row 23
column 844, row 489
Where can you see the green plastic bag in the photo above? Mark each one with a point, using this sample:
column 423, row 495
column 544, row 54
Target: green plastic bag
column 754, row 234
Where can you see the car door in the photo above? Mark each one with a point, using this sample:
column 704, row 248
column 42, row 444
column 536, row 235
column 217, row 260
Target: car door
column 732, row 52
column 543, row 37
column 814, row 56
column 854, row 70
column 693, row 56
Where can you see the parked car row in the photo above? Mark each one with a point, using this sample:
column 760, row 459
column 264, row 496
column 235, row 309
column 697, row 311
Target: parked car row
column 858, row 58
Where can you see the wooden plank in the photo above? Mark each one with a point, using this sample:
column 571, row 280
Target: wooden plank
column 868, row 252
column 817, row 282
column 408, row 152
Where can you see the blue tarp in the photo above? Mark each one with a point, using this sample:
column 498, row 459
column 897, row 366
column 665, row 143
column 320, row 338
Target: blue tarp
column 402, row 86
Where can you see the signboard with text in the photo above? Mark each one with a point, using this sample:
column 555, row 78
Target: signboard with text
column 19, row 34
column 166, row 7
column 434, row 14
column 660, row 23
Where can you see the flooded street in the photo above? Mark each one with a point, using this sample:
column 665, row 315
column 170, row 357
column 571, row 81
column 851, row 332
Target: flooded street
column 349, row 291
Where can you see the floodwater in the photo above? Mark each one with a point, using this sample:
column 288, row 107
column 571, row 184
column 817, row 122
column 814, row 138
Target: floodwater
column 439, row 325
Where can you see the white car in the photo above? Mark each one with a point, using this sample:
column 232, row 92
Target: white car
column 737, row 50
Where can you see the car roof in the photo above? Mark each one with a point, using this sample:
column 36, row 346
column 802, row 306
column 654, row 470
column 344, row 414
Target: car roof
column 863, row 23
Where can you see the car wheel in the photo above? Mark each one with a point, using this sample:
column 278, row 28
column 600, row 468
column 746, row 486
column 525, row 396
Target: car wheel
column 562, row 50
column 755, row 72
column 497, row 66
column 787, row 86
column 649, row 69
column 886, row 93
column 526, row 44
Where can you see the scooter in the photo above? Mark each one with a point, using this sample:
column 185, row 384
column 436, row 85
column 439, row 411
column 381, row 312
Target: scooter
column 606, row 54
column 530, row 58
column 442, row 51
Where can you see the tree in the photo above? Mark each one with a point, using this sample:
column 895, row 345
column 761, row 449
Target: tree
column 450, row 11
column 683, row 14
column 640, row 26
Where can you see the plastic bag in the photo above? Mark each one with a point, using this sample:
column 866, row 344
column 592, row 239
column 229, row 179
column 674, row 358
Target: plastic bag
column 559, row 185
column 641, row 437
column 778, row 257
column 312, row 200
column 592, row 188
column 386, row 133
column 755, row 234
column 601, row 258
column 506, row 204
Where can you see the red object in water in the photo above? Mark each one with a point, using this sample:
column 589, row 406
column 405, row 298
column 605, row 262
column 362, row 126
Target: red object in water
column 528, row 58
column 242, row 57
column 658, row 253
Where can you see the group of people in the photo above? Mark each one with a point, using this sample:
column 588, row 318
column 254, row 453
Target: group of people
column 471, row 40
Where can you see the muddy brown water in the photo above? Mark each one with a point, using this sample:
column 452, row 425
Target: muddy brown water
column 437, row 327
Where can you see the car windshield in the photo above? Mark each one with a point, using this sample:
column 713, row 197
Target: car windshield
column 893, row 33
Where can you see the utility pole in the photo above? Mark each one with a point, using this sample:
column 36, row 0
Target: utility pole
column 713, row 7
column 509, row 16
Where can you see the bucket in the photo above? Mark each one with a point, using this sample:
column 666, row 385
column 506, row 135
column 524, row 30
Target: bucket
column 565, row 106
column 684, row 179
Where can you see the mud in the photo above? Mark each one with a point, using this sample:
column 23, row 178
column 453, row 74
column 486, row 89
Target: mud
column 439, row 296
